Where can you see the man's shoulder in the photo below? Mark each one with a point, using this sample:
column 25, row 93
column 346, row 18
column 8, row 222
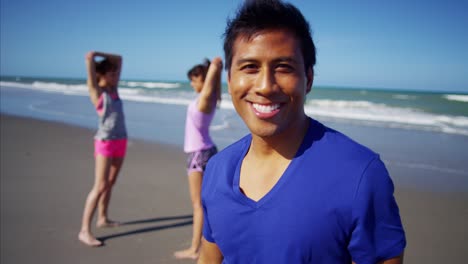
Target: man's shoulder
column 332, row 144
column 228, row 158
column 233, row 151
column 222, row 166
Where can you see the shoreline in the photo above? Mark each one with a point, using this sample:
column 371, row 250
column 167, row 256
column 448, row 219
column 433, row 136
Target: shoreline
column 47, row 170
column 395, row 110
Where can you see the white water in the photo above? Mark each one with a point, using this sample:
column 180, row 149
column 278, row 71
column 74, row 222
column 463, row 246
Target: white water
column 339, row 110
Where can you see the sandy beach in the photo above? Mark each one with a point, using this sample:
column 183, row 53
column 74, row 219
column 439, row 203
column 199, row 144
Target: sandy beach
column 47, row 170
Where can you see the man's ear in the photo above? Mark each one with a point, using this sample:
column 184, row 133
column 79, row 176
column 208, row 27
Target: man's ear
column 310, row 79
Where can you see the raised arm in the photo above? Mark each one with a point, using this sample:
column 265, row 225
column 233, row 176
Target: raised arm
column 92, row 81
column 115, row 59
column 211, row 92
column 209, row 253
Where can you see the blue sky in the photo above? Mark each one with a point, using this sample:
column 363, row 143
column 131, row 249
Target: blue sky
column 412, row 44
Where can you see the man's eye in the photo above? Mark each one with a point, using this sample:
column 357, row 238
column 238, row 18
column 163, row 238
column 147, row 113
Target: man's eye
column 284, row 68
column 249, row 67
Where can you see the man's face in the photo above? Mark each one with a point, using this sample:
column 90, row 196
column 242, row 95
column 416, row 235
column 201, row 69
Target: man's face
column 268, row 83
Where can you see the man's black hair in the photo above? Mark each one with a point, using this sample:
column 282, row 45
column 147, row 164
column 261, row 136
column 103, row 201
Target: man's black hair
column 255, row 16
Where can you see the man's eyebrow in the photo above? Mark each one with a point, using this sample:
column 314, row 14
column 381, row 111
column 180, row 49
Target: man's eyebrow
column 252, row 60
column 285, row 59
column 245, row 60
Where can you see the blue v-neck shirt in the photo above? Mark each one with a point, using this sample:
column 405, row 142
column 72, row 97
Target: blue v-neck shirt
column 333, row 204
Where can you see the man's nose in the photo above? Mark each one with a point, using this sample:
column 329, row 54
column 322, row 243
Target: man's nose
column 266, row 82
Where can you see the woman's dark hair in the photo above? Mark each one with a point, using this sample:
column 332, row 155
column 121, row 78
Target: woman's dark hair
column 199, row 70
column 255, row 16
column 104, row 66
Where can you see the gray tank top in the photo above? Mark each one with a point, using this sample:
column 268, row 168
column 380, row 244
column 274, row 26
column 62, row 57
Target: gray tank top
column 111, row 117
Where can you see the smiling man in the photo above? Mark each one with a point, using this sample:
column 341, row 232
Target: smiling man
column 293, row 190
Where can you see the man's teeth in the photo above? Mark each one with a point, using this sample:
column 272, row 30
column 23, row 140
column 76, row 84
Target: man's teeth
column 265, row 108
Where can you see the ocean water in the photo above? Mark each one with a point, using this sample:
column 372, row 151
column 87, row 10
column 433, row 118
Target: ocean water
column 427, row 111
column 421, row 136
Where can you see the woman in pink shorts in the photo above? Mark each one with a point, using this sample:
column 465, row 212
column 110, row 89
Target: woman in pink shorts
column 206, row 81
column 110, row 141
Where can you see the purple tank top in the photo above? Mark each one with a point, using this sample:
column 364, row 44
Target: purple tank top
column 197, row 124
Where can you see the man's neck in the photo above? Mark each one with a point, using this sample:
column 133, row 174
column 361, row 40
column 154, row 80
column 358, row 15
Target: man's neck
column 284, row 144
column 268, row 158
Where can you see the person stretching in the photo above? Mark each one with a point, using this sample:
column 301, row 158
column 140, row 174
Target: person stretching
column 110, row 141
column 206, row 81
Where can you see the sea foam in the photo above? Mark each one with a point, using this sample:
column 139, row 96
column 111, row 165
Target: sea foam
column 356, row 111
column 150, row 85
column 456, row 97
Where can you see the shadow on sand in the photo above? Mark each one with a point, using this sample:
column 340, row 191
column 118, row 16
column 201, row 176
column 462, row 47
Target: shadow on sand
column 187, row 218
column 159, row 219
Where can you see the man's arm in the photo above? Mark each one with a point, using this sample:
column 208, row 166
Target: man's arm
column 395, row 260
column 209, row 253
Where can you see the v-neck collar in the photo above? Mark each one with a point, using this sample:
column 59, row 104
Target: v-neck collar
column 282, row 180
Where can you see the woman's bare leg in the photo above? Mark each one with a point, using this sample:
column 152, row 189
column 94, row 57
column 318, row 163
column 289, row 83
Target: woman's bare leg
column 195, row 182
column 103, row 205
column 100, row 185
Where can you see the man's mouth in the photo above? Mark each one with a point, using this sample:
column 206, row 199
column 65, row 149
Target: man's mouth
column 265, row 111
